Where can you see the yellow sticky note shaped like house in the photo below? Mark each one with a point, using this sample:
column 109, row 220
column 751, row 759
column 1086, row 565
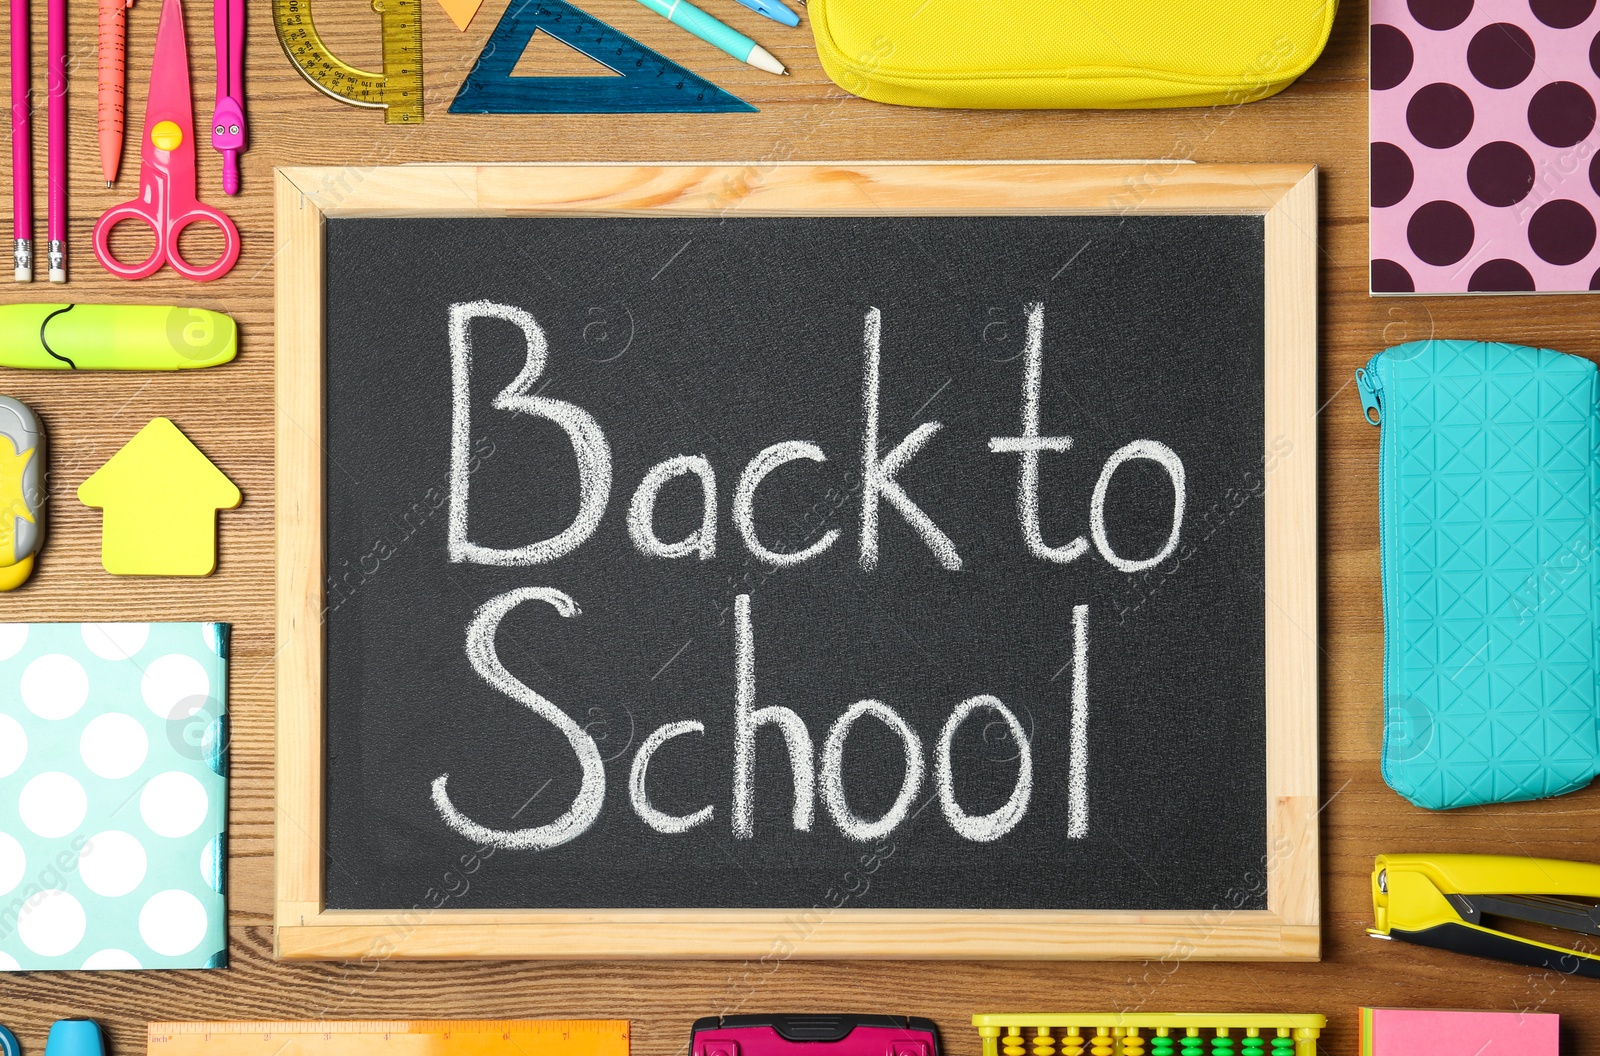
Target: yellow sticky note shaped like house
column 160, row 495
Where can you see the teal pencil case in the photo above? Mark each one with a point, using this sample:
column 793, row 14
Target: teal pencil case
column 1488, row 500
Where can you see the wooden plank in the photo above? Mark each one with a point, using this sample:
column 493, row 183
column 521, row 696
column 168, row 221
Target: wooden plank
column 784, row 188
column 1284, row 194
column 1289, row 474
column 800, row 934
column 299, row 553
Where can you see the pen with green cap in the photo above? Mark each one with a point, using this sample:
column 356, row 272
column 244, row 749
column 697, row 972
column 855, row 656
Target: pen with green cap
column 114, row 337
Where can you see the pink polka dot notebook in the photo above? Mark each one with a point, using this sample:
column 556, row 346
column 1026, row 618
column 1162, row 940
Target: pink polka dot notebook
column 1485, row 165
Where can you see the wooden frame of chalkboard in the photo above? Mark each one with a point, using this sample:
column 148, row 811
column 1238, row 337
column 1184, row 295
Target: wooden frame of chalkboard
column 1283, row 195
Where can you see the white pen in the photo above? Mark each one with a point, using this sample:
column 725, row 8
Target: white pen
column 685, row 15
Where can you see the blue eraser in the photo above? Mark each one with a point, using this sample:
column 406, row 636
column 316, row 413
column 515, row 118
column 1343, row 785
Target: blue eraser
column 75, row 1037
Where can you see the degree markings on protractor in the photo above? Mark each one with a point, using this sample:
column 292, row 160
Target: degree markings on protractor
column 398, row 89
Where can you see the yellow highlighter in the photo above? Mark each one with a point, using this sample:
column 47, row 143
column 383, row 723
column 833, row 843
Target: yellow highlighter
column 1450, row 902
column 22, row 469
column 114, row 337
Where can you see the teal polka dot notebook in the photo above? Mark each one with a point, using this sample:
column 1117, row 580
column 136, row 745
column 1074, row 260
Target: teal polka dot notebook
column 113, row 795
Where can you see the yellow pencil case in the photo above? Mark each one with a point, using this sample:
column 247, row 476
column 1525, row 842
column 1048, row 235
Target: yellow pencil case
column 1042, row 54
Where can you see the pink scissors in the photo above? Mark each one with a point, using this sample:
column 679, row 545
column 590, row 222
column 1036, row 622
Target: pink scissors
column 167, row 201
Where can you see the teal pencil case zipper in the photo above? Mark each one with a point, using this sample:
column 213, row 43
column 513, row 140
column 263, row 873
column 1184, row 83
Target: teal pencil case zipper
column 1489, row 535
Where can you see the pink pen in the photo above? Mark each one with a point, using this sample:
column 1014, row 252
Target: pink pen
column 227, row 121
column 56, row 176
column 21, row 144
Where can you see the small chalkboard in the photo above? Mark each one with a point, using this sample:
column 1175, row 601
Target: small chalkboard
column 883, row 561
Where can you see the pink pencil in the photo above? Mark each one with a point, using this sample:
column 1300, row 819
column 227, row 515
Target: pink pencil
column 21, row 144
column 56, row 188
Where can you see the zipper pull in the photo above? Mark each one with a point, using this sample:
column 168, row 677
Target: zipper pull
column 1371, row 396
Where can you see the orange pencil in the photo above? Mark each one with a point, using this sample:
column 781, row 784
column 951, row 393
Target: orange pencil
column 113, row 83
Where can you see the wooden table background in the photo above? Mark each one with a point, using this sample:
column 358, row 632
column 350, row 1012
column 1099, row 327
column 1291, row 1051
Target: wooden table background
column 228, row 412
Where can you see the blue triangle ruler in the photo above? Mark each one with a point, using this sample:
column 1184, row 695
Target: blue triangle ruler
column 647, row 82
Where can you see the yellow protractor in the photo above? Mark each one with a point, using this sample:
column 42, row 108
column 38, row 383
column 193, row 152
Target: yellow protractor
column 398, row 89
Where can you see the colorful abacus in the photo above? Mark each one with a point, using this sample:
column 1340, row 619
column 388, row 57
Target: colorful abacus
column 1155, row 1034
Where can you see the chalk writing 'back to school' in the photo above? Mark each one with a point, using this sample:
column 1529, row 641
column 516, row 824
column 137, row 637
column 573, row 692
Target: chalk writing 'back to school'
column 815, row 776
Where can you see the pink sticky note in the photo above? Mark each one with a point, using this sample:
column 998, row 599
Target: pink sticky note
column 1416, row 1032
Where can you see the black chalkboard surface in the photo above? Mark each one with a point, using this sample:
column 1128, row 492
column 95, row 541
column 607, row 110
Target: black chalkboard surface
column 477, row 582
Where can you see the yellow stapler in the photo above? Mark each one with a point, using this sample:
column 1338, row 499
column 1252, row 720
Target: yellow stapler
column 1452, row 901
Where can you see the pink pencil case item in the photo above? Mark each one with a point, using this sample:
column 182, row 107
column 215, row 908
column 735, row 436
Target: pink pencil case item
column 813, row 1035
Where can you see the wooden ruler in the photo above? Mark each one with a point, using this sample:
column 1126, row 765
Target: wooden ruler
column 410, row 1037
column 397, row 89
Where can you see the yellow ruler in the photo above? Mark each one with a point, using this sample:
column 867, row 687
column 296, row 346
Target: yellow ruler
column 408, row 1037
column 398, row 88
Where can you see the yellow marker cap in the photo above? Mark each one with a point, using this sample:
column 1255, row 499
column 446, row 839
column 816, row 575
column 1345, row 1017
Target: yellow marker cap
column 166, row 135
